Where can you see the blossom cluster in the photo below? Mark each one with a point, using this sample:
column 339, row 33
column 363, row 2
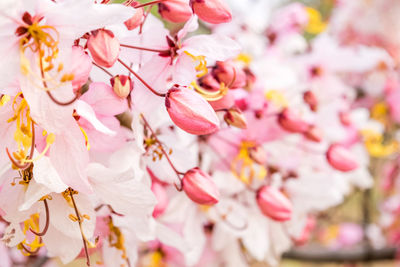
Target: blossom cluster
column 183, row 132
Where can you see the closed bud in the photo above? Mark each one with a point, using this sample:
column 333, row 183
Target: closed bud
column 103, row 47
column 190, row 111
column 229, row 74
column 199, row 187
column 212, row 11
column 235, row 117
column 291, row 122
column 313, row 134
column 136, row 19
column 258, row 154
column 225, row 102
column 122, row 85
column 176, row 11
column 162, row 199
column 208, row 82
column 341, row 158
column 274, row 204
column 345, row 118
column 310, row 98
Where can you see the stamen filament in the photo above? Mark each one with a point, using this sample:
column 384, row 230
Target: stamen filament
column 46, row 227
column 77, row 95
column 178, row 173
column 25, row 165
column 47, row 89
column 80, row 227
column 30, row 253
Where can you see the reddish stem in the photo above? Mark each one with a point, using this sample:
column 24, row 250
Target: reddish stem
column 103, row 69
column 149, row 3
column 144, row 48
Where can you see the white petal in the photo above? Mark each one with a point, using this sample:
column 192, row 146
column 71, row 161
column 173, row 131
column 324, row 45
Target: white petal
column 86, row 111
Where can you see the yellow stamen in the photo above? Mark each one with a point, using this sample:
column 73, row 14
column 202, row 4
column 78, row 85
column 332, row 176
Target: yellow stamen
column 210, row 95
column 380, row 112
column 86, row 138
column 315, row 23
column 156, row 259
column 245, row 58
column 277, row 98
column 202, row 66
column 49, row 141
column 31, row 223
column 243, row 167
column 116, row 238
column 376, row 146
column 4, row 100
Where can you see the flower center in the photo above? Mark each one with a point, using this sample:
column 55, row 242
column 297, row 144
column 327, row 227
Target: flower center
column 116, row 238
column 27, row 248
column 244, row 167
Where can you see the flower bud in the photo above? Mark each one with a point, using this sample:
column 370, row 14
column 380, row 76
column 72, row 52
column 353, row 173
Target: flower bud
column 258, row 154
column 80, row 67
column 199, row 187
column 313, row 134
column 291, row 122
column 162, row 199
column 235, row 117
column 208, row 82
column 103, row 47
column 176, row 11
column 191, row 112
column 212, row 11
column 310, row 98
column 226, row 102
column 229, row 74
column 274, row 204
column 136, row 19
column 340, row 158
column 345, row 118
column 122, row 85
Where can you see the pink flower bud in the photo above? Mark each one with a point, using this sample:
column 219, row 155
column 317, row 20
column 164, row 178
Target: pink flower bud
column 345, row 118
column 122, row 85
column 313, row 134
column 258, row 154
column 208, row 82
column 81, row 65
column 310, row 98
column 212, row 11
column 229, row 74
column 340, row 158
column 136, row 19
column 235, row 117
column 226, row 102
column 175, row 10
column 306, row 233
column 274, row 204
column 191, row 112
column 103, row 47
column 199, row 187
column 291, row 122
column 162, row 199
